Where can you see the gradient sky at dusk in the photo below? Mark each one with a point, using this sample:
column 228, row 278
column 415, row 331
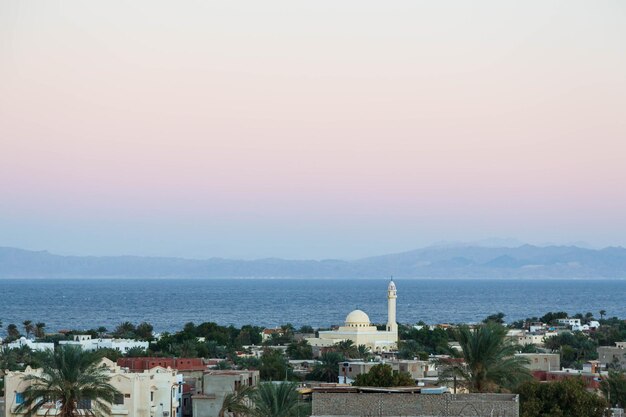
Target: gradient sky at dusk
column 309, row 130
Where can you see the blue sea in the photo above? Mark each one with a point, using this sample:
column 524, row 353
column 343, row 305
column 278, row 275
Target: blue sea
column 168, row 304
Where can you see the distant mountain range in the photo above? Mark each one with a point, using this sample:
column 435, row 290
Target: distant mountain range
column 524, row 261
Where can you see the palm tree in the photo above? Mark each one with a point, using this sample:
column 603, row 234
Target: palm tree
column 364, row 352
column 602, row 314
column 28, row 327
column 327, row 369
column 276, row 400
column 347, row 348
column 13, row 332
column 490, row 364
column 237, row 403
column 39, row 330
column 69, row 375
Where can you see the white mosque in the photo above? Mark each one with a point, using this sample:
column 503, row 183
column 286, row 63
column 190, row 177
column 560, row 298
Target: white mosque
column 359, row 329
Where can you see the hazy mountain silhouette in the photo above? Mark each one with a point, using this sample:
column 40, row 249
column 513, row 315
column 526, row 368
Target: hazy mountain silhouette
column 524, row 261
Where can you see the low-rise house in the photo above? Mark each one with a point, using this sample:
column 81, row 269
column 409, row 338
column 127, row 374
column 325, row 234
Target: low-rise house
column 593, row 325
column 215, row 386
column 569, row 322
column 591, row 379
column 613, row 356
column 22, row 341
column 267, row 334
column 349, row 370
column 524, row 338
column 413, row 402
column 87, row 343
column 191, row 369
column 541, row 361
column 302, row 367
column 155, row 392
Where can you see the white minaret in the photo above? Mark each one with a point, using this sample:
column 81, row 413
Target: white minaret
column 392, row 326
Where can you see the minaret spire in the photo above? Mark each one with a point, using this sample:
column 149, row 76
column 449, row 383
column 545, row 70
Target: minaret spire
column 392, row 326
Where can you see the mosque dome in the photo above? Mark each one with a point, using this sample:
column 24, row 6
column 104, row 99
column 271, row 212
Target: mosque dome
column 357, row 318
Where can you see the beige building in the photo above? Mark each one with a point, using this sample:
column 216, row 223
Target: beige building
column 542, row 361
column 152, row 393
column 216, row 385
column 350, row 369
column 613, row 356
column 359, row 329
column 523, row 337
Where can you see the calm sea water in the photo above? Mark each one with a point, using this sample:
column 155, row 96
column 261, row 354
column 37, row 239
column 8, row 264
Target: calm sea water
column 168, row 304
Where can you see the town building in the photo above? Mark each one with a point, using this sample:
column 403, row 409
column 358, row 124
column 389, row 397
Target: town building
column 35, row 346
column 524, row 338
column 541, row 361
column 215, row 386
column 349, row 370
column 359, row 329
column 569, row 322
column 87, row 343
column 191, row 369
column 613, row 356
column 590, row 379
column 154, row 392
column 410, row 402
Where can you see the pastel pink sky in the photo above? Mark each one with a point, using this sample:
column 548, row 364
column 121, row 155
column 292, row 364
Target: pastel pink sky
column 323, row 129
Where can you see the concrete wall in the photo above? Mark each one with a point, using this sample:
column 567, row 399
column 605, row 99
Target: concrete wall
column 327, row 404
column 612, row 355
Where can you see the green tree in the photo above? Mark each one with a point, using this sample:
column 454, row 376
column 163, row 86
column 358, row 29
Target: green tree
column 13, row 332
column 614, row 388
column 274, row 366
column 144, row 331
column 382, row 375
column 237, row 403
column 304, row 329
column 552, row 317
column 490, row 362
column 300, row 350
column 276, row 400
column 40, row 330
column 567, row 398
column 364, row 352
column 101, row 331
column 109, row 353
column 327, row 369
column 136, row 352
column 410, row 349
column 602, row 314
column 495, row 318
column 28, row 327
column 347, row 348
column 69, row 375
column 125, row 330
column 187, row 349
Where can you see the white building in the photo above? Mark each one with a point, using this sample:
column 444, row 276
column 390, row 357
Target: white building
column 569, row 322
column 22, row 341
column 153, row 393
column 360, row 330
column 87, row 343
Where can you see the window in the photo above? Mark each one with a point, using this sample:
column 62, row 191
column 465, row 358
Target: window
column 151, row 395
column 126, row 395
column 19, row 397
column 119, row 399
